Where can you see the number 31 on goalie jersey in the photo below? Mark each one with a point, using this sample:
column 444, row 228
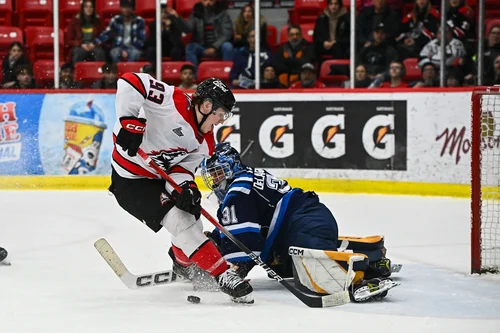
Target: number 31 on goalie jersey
column 229, row 215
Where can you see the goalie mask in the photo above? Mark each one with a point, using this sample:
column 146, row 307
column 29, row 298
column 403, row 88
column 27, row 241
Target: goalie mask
column 221, row 168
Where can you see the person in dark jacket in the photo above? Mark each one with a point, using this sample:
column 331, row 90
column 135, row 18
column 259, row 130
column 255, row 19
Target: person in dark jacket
column 67, row 78
column 15, row 57
column 372, row 16
column 270, row 80
column 291, row 56
column 171, row 38
column 378, row 55
column 332, row 31
column 24, row 78
column 460, row 18
column 243, row 70
column 81, row 33
column 128, row 32
column 418, row 28
column 212, row 31
column 361, row 79
column 109, row 77
column 244, row 23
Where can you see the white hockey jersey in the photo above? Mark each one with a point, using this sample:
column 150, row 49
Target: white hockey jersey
column 171, row 138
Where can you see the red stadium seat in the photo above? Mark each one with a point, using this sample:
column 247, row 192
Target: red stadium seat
column 88, row 71
column 490, row 23
column 34, row 13
column 107, row 9
column 332, row 80
column 307, row 32
column 171, row 71
column 272, row 37
column 67, row 10
column 185, row 7
column 413, row 72
column 6, row 13
column 147, row 10
column 125, row 67
column 40, row 42
column 9, row 35
column 218, row 69
column 306, row 11
column 43, row 71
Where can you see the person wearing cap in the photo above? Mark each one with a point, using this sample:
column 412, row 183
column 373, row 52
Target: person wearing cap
column 292, row 55
column 307, row 78
column 109, row 77
column 332, row 31
column 67, row 78
column 128, row 32
column 171, row 38
column 370, row 17
column 455, row 50
column 377, row 55
column 187, row 77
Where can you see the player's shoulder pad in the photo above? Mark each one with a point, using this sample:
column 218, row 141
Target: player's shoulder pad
column 136, row 80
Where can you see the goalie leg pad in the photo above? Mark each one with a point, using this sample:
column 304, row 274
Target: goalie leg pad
column 321, row 271
column 372, row 246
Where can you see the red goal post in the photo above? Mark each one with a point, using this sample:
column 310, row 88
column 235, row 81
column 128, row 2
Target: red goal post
column 485, row 180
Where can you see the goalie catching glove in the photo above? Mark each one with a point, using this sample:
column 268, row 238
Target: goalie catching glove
column 189, row 199
column 131, row 133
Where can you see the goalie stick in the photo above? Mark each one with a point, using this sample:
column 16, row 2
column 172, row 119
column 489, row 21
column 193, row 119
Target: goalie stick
column 132, row 281
column 336, row 299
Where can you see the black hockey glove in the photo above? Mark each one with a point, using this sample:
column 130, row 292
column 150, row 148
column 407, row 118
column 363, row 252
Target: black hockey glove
column 189, row 199
column 130, row 135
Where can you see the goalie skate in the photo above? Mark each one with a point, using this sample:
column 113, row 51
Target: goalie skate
column 372, row 290
column 3, row 257
column 396, row 268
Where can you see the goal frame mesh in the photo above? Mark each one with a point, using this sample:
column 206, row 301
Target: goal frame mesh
column 477, row 262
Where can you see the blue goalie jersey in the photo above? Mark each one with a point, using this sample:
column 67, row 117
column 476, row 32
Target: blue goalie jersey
column 256, row 208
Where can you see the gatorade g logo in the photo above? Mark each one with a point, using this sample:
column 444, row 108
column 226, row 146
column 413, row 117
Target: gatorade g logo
column 229, row 132
column 327, row 137
column 378, row 136
column 275, row 137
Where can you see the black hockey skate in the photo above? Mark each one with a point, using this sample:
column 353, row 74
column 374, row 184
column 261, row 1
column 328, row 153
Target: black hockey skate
column 201, row 280
column 3, row 256
column 372, row 290
column 239, row 290
column 378, row 269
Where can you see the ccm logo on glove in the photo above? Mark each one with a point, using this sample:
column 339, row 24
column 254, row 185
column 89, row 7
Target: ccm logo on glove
column 134, row 125
column 131, row 133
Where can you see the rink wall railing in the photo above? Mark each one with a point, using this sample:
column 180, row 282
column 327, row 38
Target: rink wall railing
column 411, row 141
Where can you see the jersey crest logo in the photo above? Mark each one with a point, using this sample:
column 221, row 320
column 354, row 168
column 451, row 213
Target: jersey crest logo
column 164, row 158
column 178, row 131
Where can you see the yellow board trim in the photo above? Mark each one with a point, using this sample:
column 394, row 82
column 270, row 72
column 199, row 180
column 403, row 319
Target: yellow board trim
column 318, row 185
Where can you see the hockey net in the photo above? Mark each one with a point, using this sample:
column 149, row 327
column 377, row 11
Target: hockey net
column 485, row 180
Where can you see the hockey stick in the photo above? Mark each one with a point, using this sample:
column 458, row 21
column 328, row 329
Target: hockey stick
column 131, row 280
column 336, row 299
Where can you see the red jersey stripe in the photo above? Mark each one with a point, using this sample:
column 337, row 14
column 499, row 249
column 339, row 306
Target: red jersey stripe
column 131, row 166
column 179, row 169
column 135, row 82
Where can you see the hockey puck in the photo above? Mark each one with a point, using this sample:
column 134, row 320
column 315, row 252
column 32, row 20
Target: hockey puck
column 194, row 299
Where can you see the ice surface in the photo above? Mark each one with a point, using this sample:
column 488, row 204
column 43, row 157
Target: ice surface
column 59, row 283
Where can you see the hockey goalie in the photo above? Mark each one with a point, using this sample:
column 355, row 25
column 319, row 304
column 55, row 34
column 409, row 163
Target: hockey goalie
column 291, row 231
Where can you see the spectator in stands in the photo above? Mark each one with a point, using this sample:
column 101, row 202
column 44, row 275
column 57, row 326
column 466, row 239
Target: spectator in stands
column 493, row 77
column 67, row 78
column 212, row 31
column 24, row 78
column 454, row 78
column 361, row 79
column 109, row 77
column 171, row 39
column 15, row 58
column 187, row 77
column 308, row 78
column 429, row 77
column 81, row 33
column 291, row 56
column 269, row 80
column 128, row 32
column 332, row 31
column 372, row 16
column 243, row 70
column 395, row 77
column 417, row 29
column 492, row 50
column 455, row 51
column 460, row 18
column 244, row 23
column 377, row 55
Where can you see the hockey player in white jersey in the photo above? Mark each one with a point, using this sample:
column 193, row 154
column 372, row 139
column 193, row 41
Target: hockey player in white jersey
column 176, row 131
